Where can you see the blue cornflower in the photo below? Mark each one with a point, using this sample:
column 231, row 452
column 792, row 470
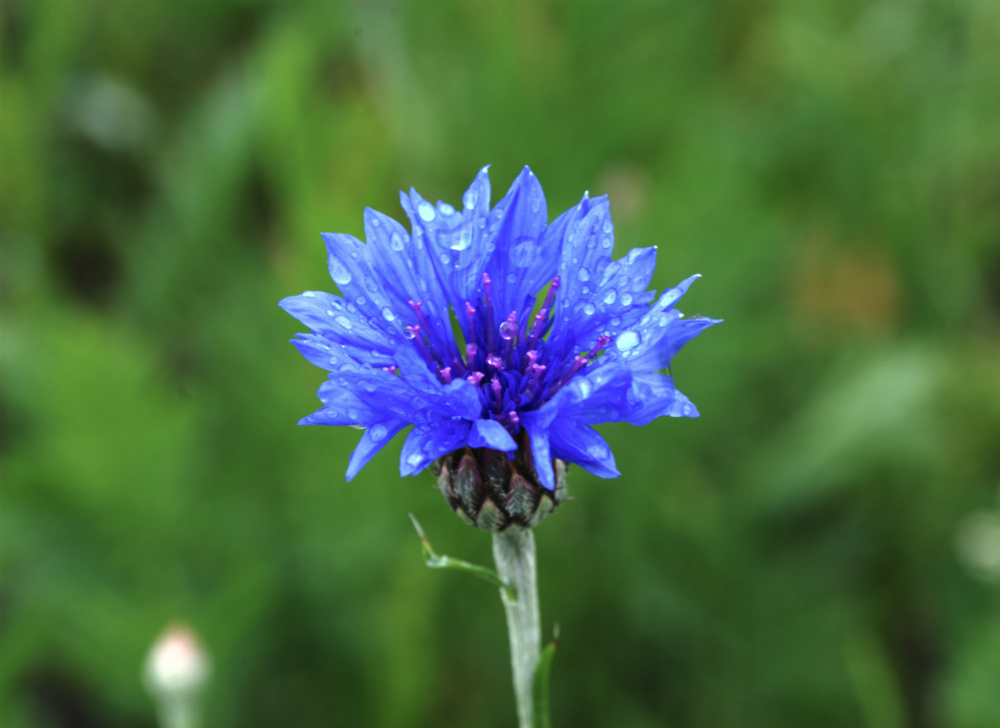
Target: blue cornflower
column 491, row 329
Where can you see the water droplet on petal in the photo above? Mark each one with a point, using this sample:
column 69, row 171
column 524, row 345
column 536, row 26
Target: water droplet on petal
column 507, row 330
column 387, row 314
column 469, row 199
column 627, row 340
column 610, row 297
column 414, row 460
column 396, row 242
column 462, row 239
column 598, row 452
column 408, row 333
column 511, row 278
column 341, row 276
column 626, row 299
column 426, row 211
column 606, row 242
column 523, row 253
column 583, row 387
column 376, row 222
column 445, row 209
column 589, row 309
column 583, row 274
column 377, row 432
column 360, row 300
column 344, row 321
column 444, row 258
column 309, row 294
column 607, row 225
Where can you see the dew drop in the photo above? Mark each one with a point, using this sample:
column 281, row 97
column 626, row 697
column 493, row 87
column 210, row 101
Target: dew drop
column 444, row 258
column 469, row 199
column 341, row 276
column 626, row 299
column 670, row 297
column 583, row 274
column 309, row 294
column 462, row 239
column 610, row 296
column 507, row 330
column 523, row 253
column 344, row 321
column 606, row 242
column 598, row 452
column 408, row 333
column 445, row 209
column 377, row 432
column 376, row 222
column 360, row 300
column 628, row 340
column 329, row 312
column 387, row 314
column 371, row 285
column 607, row 225
column 584, row 387
column 589, row 309
column 396, row 242
column 511, row 278
column 426, row 211
column 414, row 460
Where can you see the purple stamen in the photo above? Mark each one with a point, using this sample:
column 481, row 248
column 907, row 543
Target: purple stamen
column 494, row 361
column 413, row 332
column 602, row 341
column 391, row 369
column 470, row 351
column 497, row 389
column 475, row 378
column 514, row 418
column 536, row 327
column 578, row 363
column 445, row 375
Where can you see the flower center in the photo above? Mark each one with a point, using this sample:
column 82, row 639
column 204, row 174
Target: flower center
column 510, row 363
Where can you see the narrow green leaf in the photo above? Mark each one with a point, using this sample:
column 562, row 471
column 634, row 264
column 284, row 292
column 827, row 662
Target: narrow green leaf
column 436, row 561
column 540, row 684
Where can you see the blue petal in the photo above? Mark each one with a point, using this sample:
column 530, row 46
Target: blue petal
column 407, row 274
column 342, row 325
column 520, row 265
column 586, row 251
column 650, row 344
column 654, row 395
column 614, row 299
column 375, row 438
column 491, row 434
column 454, row 242
column 353, row 270
column 426, row 443
column 576, row 442
column 536, row 423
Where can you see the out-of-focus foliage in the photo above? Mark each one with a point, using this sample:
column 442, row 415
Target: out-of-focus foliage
column 802, row 555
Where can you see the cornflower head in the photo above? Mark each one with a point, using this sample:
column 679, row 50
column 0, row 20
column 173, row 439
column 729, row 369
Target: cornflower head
column 500, row 337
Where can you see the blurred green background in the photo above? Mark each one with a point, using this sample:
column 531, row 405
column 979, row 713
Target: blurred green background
column 821, row 548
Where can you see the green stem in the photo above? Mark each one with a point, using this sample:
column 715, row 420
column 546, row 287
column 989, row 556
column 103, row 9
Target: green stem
column 514, row 553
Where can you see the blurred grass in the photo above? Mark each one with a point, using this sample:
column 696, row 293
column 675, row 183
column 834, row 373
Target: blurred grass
column 832, row 168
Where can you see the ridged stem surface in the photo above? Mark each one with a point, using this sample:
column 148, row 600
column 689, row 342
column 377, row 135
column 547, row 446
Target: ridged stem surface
column 514, row 553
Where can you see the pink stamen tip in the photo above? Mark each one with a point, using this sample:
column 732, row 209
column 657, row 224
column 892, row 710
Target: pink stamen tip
column 496, row 386
column 446, row 374
column 494, row 361
column 415, row 305
column 475, row 378
column 514, row 419
column 469, row 308
column 555, row 283
column 471, row 350
column 391, row 369
column 602, row 341
column 532, row 356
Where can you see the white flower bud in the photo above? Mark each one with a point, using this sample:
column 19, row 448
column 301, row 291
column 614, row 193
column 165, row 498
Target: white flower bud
column 176, row 669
